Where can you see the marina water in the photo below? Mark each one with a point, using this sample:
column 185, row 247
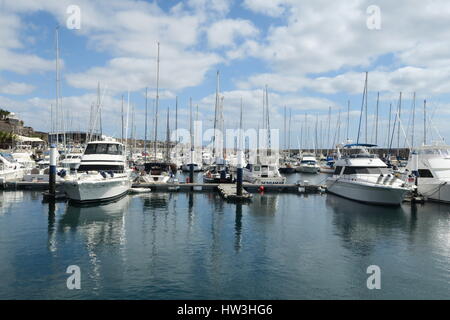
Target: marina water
column 196, row 246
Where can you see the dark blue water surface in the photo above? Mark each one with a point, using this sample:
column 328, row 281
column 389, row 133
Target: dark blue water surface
column 196, row 246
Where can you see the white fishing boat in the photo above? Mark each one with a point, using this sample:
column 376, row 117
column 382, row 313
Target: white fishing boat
column 218, row 172
column 263, row 172
column 156, row 172
column 9, row 169
column 363, row 177
column 71, row 161
column 430, row 164
column 102, row 174
column 328, row 165
column 308, row 164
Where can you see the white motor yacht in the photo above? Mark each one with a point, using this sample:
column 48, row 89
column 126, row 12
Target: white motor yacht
column 102, row 174
column 362, row 176
column 9, row 169
column 308, row 164
column 71, row 161
column 431, row 166
column 263, row 173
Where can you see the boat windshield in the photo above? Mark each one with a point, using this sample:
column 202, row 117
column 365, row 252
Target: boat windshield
column 103, row 148
column 366, row 170
column 308, row 162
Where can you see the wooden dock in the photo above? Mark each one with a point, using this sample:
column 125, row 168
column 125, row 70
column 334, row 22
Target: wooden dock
column 183, row 187
column 229, row 192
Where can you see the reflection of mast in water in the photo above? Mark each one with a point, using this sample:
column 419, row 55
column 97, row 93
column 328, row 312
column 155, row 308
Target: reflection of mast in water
column 190, row 211
column 266, row 204
column 238, row 227
column 51, row 243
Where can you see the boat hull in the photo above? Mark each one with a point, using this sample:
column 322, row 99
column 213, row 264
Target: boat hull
column 86, row 191
column 366, row 192
column 438, row 191
column 308, row 169
column 287, row 170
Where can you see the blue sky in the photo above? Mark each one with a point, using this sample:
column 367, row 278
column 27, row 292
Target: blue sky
column 311, row 54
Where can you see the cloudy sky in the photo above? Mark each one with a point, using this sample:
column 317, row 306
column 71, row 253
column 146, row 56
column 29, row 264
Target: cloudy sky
column 312, row 55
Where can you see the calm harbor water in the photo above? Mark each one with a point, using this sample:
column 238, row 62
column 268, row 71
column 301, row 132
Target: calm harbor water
column 196, row 246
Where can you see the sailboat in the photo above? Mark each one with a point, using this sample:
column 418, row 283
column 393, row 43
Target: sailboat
column 158, row 170
column 219, row 171
column 191, row 158
column 265, row 170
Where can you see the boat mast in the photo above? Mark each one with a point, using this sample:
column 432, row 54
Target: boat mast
column 398, row 129
column 57, row 86
column 376, row 119
column 145, row 129
column 168, row 137
column 348, row 119
column 329, row 129
column 413, row 120
column 289, row 133
column 122, row 118
column 424, row 122
column 362, row 110
column 156, row 103
column 216, row 106
column 176, row 120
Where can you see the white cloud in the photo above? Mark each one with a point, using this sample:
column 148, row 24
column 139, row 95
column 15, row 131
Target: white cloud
column 15, row 88
column 225, row 32
column 273, row 8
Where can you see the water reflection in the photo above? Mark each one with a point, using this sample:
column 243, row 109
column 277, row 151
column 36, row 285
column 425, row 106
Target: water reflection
column 101, row 223
column 238, row 227
column 264, row 204
column 361, row 225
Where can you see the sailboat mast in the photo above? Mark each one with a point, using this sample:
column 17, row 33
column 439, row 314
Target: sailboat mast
column 215, row 113
column 156, row 103
column 424, row 122
column 168, row 137
column 176, row 120
column 289, row 133
column 413, row 119
column 57, row 86
column 376, row 121
column 362, row 110
column 398, row 129
column 122, row 118
column 329, row 129
column 348, row 119
column 145, row 127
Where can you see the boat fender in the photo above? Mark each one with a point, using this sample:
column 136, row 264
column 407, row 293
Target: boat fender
column 62, row 173
column 261, row 189
column 103, row 174
column 111, row 174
